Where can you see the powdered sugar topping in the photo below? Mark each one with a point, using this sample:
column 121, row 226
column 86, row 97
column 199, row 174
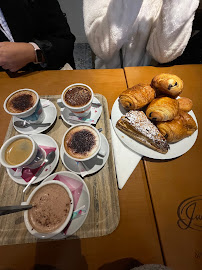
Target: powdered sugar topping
column 139, row 120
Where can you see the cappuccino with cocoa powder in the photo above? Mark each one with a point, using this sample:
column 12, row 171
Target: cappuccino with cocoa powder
column 81, row 142
column 21, row 101
column 77, row 96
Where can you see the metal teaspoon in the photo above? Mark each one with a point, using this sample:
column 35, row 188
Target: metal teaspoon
column 5, row 210
column 24, row 124
column 48, row 160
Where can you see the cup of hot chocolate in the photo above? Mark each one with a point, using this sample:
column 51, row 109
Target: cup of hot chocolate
column 77, row 98
column 26, row 105
column 52, row 209
column 21, row 151
column 82, row 142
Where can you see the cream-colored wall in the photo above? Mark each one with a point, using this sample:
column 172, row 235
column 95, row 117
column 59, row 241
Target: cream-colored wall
column 74, row 12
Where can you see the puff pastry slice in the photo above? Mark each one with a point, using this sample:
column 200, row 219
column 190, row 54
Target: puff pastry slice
column 136, row 125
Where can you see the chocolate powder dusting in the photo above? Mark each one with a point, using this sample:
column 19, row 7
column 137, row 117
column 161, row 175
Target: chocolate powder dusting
column 51, row 208
column 77, row 96
column 82, row 141
column 23, row 102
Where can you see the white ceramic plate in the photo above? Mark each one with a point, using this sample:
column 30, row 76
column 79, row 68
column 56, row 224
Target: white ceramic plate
column 176, row 149
column 43, row 140
column 84, row 199
column 94, row 114
column 93, row 165
column 50, row 116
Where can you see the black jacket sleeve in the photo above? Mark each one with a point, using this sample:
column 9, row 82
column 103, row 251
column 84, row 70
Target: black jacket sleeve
column 52, row 33
column 42, row 22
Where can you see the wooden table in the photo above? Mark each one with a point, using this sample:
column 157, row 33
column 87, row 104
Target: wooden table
column 136, row 235
column 174, row 181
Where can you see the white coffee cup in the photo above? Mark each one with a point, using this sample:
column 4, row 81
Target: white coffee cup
column 79, row 111
column 98, row 149
column 46, row 235
column 27, row 161
column 33, row 115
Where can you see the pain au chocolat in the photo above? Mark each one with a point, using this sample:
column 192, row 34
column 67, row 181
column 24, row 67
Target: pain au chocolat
column 136, row 125
column 137, row 96
column 167, row 84
column 182, row 126
column 162, row 109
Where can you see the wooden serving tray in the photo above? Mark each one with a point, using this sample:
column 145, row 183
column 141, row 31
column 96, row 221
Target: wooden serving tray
column 104, row 213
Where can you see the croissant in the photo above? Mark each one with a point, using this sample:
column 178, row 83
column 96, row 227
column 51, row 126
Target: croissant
column 188, row 122
column 167, row 84
column 162, row 109
column 179, row 128
column 137, row 96
column 185, row 104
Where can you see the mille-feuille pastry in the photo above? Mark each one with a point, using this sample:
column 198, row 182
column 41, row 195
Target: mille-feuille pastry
column 136, row 125
column 167, row 84
column 185, row 104
column 179, row 128
column 162, row 109
column 137, row 96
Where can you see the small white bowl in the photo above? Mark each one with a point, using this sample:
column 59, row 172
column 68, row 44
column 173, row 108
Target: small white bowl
column 59, row 230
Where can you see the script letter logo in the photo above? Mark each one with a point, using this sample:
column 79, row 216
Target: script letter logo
column 190, row 213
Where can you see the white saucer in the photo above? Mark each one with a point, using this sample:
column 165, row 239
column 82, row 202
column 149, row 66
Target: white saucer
column 44, row 140
column 94, row 164
column 94, row 114
column 84, row 199
column 50, row 116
